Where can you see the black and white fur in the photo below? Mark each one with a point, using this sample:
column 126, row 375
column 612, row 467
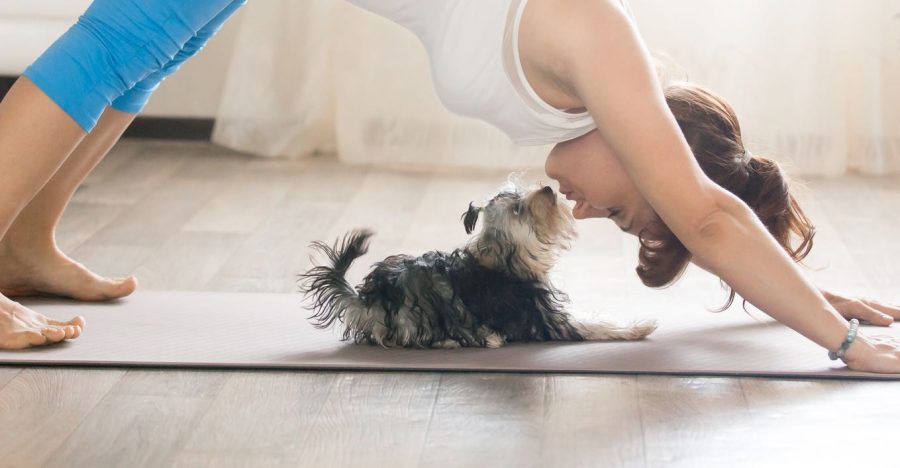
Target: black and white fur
column 494, row 290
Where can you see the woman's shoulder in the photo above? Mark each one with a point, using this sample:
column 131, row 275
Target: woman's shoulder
column 557, row 37
column 569, row 22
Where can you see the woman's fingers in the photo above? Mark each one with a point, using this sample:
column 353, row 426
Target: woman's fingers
column 891, row 311
column 864, row 311
column 875, row 316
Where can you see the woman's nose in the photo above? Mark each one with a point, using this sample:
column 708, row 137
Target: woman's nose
column 551, row 168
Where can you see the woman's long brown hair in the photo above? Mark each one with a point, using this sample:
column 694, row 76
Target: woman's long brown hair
column 712, row 130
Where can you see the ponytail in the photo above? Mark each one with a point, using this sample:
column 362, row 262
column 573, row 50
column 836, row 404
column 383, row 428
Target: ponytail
column 714, row 135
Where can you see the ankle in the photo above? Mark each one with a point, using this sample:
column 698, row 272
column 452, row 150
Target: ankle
column 14, row 244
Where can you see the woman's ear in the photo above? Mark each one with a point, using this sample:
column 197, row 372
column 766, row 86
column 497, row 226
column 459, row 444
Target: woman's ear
column 470, row 217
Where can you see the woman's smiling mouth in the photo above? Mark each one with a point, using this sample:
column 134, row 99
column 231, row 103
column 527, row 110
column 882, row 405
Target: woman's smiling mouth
column 584, row 210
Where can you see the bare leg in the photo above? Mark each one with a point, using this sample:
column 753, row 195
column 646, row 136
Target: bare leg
column 30, row 262
column 36, row 137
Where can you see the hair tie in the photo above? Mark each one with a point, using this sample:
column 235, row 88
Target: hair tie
column 748, row 156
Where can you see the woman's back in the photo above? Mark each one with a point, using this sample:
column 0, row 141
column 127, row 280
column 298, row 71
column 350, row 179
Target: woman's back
column 473, row 51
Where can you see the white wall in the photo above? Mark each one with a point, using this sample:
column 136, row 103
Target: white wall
column 195, row 91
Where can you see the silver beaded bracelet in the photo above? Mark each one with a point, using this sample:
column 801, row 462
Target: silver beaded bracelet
column 851, row 335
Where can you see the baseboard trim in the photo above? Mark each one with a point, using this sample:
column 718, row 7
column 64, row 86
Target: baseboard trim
column 171, row 128
column 6, row 82
column 158, row 128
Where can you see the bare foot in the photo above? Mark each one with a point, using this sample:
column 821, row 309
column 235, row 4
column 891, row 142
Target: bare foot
column 49, row 272
column 21, row 327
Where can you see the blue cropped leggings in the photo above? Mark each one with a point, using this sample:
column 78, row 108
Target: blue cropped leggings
column 120, row 50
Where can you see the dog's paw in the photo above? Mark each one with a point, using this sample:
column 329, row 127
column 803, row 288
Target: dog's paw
column 494, row 341
column 447, row 344
column 642, row 329
column 607, row 330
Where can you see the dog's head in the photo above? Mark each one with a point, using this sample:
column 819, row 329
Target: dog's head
column 524, row 228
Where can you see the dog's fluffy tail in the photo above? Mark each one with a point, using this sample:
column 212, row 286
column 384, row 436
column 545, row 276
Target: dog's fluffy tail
column 331, row 295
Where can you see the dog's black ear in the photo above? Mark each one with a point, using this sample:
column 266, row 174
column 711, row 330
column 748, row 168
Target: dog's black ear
column 470, row 217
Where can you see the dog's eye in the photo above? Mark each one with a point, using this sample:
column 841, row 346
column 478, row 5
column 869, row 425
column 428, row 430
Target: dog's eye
column 517, row 208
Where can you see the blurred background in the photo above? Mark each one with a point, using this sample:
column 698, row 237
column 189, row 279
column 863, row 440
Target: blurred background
column 816, row 83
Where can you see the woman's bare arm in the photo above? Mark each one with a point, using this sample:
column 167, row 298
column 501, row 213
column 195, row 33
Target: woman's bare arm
column 600, row 57
column 868, row 310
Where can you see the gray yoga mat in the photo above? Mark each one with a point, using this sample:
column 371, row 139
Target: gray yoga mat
column 238, row 330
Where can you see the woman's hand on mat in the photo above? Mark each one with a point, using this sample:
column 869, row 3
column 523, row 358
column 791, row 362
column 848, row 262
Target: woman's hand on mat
column 21, row 327
column 866, row 310
column 878, row 354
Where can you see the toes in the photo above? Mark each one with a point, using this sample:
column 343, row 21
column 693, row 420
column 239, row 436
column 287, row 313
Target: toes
column 56, row 334
column 27, row 339
column 81, row 284
column 22, row 340
column 95, row 289
column 53, row 334
column 59, row 331
column 107, row 289
column 78, row 321
column 23, row 327
column 121, row 287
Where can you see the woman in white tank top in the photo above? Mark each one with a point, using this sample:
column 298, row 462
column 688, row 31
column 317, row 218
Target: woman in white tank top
column 576, row 73
column 571, row 72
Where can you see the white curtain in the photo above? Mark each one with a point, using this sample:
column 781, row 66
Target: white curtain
column 816, row 83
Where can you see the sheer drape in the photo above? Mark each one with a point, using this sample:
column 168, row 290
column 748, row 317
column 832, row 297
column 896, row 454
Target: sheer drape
column 816, row 83
column 278, row 98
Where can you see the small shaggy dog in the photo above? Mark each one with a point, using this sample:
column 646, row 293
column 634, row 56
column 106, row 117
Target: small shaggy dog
column 494, row 290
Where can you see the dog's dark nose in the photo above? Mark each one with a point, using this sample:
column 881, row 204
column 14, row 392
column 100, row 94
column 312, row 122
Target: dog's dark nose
column 547, row 190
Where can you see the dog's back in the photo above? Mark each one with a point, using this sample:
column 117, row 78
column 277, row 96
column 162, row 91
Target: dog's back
column 438, row 299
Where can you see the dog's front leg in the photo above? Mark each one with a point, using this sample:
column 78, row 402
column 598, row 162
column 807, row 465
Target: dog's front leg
column 490, row 338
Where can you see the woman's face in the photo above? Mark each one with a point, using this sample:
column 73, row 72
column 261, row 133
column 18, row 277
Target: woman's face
column 589, row 173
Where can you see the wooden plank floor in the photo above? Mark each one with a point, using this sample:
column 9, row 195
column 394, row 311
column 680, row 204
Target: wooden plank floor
column 196, row 217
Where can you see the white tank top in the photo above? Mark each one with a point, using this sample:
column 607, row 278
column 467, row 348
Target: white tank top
column 474, row 55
